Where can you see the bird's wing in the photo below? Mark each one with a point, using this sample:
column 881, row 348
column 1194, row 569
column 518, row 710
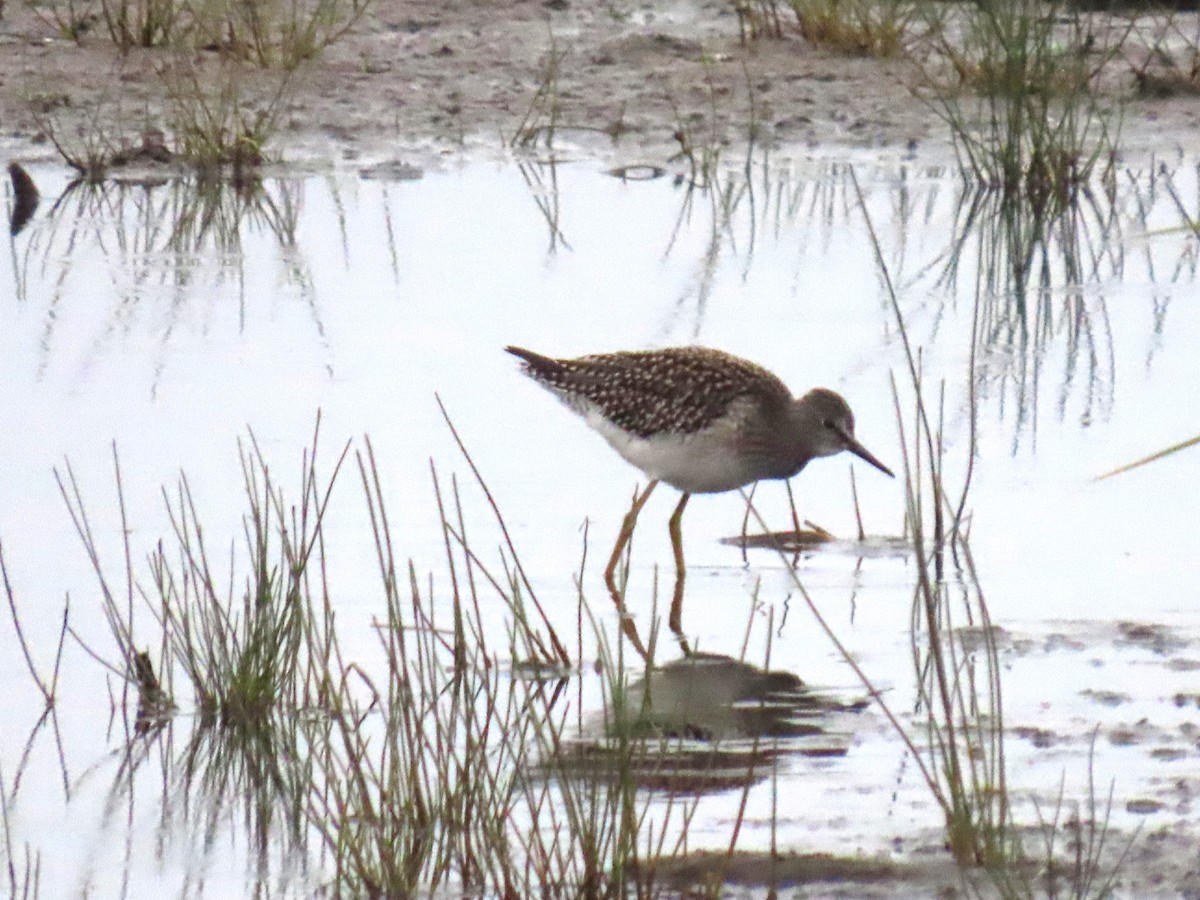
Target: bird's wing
column 677, row 390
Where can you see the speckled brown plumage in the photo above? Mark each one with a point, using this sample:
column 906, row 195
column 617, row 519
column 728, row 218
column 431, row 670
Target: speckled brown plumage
column 678, row 390
column 699, row 420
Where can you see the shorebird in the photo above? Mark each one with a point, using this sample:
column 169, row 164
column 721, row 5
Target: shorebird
column 701, row 420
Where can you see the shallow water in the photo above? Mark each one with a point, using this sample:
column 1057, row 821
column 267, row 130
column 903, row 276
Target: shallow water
column 141, row 318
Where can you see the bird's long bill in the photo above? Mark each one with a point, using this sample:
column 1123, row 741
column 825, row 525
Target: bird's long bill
column 864, row 454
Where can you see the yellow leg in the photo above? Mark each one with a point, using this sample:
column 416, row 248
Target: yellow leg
column 610, row 570
column 676, row 620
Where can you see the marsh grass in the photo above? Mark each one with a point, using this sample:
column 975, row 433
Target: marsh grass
column 245, row 651
column 956, row 731
column 447, row 760
column 47, row 684
column 472, row 754
column 1153, row 457
column 1021, row 102
column 701, row 147
column 958, row 707
column 958, row 668
column 541, row 120
column 758, row 19
column 1086, row 827
column 87, row 148
column 267, row 33
column 215, row 123
column 860, row 27
column 144, row 23
column 212, row 121
column 451, row 768
column 281, row 34
column 71, row 19
column 437, row 773
column 959, row 688
column 863, row 27
column 22, row 866
column 1164, row 54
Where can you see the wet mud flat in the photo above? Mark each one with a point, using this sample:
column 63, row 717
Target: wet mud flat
column 627, row 81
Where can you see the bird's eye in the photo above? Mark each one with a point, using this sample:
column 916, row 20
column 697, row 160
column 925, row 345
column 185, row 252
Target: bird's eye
column 828, row 423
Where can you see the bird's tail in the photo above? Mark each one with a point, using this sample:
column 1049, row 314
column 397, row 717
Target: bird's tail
column 543, row 368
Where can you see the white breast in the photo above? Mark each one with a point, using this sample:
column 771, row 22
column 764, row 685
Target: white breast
column 701, row 463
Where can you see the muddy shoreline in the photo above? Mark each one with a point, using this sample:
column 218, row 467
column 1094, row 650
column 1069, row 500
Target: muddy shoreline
column 628, row 82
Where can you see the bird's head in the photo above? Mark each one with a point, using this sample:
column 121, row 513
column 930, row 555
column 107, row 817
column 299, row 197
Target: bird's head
column 828, row 425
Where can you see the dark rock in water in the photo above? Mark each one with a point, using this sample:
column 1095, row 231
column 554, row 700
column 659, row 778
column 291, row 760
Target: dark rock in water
column 26, row 196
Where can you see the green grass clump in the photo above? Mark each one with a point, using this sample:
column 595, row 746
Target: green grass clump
column 211, row 122
column 245, row 652
column 444, row 761
column 276, row 33
column 215, row 124
column 144, row 23
column 268, row 33
column 758, row 19
column 958, row 669
column 219, row 118
column 1021, row 99
column 864, row 27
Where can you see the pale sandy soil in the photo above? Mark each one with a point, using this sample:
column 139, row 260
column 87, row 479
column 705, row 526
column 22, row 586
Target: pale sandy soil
column 415, row 76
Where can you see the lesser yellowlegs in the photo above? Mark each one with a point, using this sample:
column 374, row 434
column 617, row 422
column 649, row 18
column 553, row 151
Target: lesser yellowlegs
column 701, row 420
